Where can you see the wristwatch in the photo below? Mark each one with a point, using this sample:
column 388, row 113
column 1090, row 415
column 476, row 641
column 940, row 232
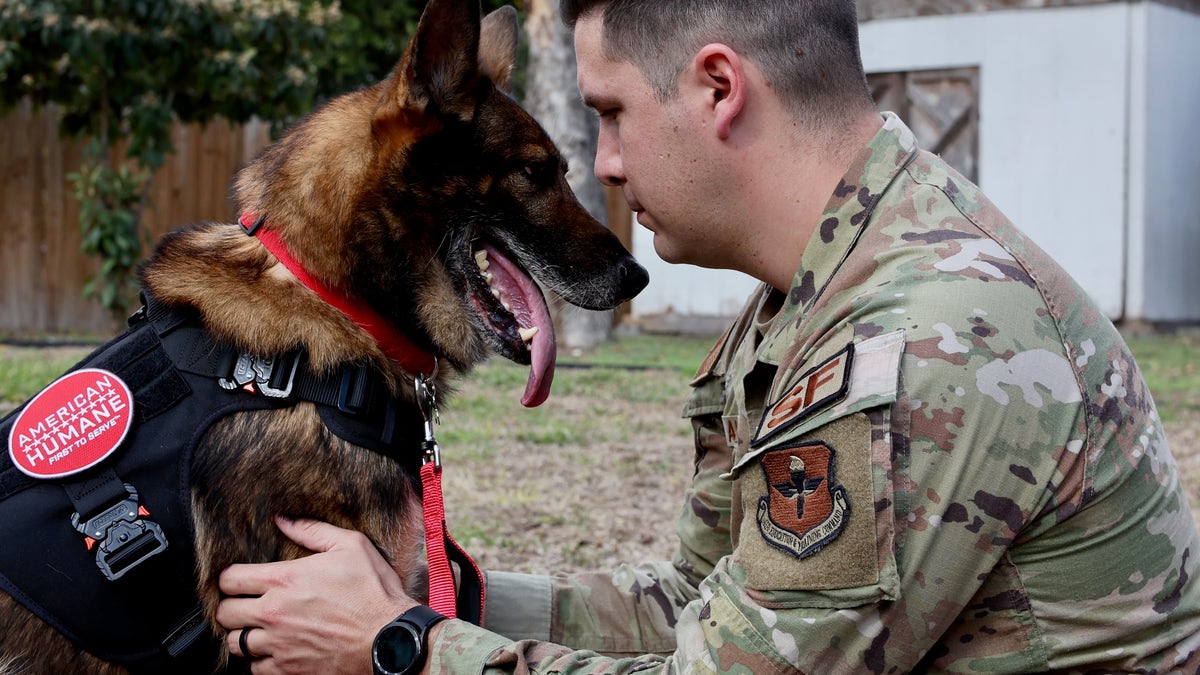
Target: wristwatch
column 399, row 647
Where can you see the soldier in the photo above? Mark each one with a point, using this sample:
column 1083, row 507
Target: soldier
column 921, row 447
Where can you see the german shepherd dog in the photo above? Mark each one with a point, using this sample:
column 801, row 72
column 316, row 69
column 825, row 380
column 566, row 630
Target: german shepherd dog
column 430, row 201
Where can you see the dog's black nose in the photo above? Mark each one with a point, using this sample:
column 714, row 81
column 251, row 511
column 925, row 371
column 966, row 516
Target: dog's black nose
column 633, row 278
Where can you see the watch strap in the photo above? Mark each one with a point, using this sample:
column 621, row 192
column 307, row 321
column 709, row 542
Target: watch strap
column 423, row 617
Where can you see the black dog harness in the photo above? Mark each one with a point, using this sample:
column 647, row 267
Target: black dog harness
column 106, row 556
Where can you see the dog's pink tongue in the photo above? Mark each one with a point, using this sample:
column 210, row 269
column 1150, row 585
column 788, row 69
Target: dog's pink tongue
column 528, row 305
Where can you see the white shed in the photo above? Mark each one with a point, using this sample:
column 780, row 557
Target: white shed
column 1077, row 117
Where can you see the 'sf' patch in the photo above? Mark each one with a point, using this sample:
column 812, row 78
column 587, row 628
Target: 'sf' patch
column 804, row 508
column 816, row 389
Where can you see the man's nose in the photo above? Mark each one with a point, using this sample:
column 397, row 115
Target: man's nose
column 609, row 170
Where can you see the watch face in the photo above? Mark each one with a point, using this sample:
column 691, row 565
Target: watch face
column 396, row 648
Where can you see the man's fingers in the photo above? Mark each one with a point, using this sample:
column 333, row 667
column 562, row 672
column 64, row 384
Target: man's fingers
column 234, row 613
column 315, row 535
column 240, row 580
column 244, row 579
column 249, row 643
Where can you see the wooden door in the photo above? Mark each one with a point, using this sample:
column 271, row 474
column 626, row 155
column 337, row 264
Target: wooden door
column 942, row 109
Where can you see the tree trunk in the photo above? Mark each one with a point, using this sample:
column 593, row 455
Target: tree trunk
column 552, row 97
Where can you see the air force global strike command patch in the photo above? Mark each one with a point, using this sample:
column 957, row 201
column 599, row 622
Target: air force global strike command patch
column 804, row 508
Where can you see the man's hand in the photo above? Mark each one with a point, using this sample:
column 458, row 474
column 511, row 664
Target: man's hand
column 317, row 614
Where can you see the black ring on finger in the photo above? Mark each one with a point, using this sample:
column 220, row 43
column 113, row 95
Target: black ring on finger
column 242, row 646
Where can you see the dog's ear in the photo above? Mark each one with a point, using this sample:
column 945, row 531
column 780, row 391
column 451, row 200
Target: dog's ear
column 498, row 46
column 440, row 67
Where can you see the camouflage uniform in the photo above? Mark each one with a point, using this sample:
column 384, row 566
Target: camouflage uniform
column 933, row 454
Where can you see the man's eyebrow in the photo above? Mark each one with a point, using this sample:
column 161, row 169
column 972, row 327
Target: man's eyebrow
column 596, row 101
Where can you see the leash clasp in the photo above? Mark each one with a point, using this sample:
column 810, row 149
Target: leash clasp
column 427, row 401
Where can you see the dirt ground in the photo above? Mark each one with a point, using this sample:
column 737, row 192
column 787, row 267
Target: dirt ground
column 562, row 512
column 544, row 508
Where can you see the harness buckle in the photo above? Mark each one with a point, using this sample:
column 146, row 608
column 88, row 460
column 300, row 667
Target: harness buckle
column 354, row 389
column 259, row 375
column 137, row 317
column 122, row 535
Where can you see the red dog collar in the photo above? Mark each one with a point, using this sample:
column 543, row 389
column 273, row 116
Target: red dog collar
column 393, row 342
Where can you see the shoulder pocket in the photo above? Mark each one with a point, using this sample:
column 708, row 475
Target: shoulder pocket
column 707, row 396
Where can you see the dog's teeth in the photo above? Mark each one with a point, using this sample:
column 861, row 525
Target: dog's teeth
column 496, row 293
column 482, row 261
column 504, row 303
column 527, row 333
column 487, row 276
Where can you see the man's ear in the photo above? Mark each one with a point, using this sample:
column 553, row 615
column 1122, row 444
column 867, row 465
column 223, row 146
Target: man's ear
column 498, row 46
column 721, row 73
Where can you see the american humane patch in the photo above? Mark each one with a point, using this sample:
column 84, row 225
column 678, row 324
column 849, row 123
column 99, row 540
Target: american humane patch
column 74, row 424
column 805, row 508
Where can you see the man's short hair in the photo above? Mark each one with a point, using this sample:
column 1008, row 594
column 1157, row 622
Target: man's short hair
column 807, row 49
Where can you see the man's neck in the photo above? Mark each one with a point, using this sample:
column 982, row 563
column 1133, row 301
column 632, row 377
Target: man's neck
column 794, row 187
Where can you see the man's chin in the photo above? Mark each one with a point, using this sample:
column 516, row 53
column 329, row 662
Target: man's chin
column 666, row 252
column 669, row 250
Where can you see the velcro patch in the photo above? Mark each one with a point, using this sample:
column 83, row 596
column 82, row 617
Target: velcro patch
column 817, row 389
column 804, row 508
column 801, row 523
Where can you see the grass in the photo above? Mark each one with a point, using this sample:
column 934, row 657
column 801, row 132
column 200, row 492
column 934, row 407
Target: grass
column 1171, row 365
column 24, row 371
column 682, row 354
column 642, row 368
column 586, row 398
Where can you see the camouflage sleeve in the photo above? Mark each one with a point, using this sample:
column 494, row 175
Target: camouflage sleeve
column 1007, row 504
column 463, row 648
column 632, row 611
column 635, row 609
column 615, row 622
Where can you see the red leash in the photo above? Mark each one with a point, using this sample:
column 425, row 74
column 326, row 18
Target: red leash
column 441, row 579
column 442, row 590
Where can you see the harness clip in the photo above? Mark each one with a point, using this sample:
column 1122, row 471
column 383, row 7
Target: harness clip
column 122, row 535
column 258, row 375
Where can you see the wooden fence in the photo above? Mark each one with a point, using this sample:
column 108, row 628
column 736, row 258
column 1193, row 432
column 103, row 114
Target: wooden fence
column 42, row 272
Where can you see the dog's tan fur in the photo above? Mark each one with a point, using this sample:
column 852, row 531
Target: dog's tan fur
column 337, row 189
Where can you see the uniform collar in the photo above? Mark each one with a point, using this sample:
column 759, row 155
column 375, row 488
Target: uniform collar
column 843, row 220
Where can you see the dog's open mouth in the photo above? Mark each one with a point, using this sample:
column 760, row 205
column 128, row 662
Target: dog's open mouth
column 514, row 309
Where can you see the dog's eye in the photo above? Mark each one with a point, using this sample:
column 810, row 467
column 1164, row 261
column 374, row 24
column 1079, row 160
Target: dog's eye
column 541, row 173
